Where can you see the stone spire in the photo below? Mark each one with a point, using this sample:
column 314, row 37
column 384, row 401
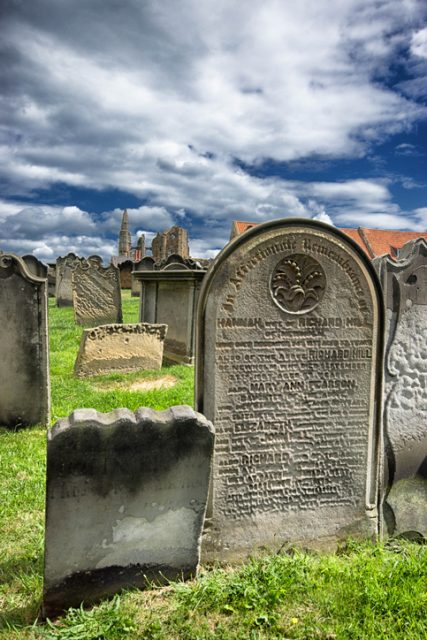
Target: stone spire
column 125, row 241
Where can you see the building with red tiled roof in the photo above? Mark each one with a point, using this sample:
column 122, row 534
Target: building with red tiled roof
column 374, row 242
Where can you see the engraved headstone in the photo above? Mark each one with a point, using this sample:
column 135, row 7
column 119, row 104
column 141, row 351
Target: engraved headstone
column 96, row 294
column 24, row 369
column 405, row 387
column 125, row 501
column 288, row 370
column 120, row 348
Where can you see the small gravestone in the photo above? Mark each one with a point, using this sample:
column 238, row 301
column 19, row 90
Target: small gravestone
column 35, row 266
column 405, row 387
column 63, row 288
column 288, row 370
column 125, row 501
column 24, row 368
column 96, row 294
column 120, row 348
column 145, row 264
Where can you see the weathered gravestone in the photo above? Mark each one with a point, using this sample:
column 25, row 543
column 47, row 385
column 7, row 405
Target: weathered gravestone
column 96, row 294
column 120, row 347
column 145, row 264
column 125, row 501
column 64, row 269
column 35, row 266
column 24, row 368
column 169, row 295
column 288, row 369
column 405, row 387
column 63, row 288
column 125, row 270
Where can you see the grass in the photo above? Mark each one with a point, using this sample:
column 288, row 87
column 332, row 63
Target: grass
column 364, row 591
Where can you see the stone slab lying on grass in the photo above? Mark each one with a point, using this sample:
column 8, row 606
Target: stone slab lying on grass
column 121, row 348
column 125, row 501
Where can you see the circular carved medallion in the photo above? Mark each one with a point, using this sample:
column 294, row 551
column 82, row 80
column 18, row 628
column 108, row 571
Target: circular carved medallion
column 298, row 283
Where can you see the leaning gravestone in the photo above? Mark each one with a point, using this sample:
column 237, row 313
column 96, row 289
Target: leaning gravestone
column 120, row 348
column 96, row 294
column 289, row 371
column 125, row 501
column 24, row 370
column 405, row 390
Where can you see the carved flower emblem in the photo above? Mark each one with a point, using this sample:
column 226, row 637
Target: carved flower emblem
column 298, row 283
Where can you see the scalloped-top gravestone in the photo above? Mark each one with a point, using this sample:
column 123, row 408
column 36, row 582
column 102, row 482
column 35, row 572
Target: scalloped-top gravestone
column 24, row 368
column 405, row 387
column 96, row 294
column 289, row 371
column 125, row 501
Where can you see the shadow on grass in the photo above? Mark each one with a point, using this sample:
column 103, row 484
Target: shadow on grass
column 21, row 578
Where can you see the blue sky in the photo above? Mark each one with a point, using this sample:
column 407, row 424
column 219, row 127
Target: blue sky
column 199, row 112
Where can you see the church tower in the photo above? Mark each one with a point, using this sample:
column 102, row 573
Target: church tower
column 125, row 241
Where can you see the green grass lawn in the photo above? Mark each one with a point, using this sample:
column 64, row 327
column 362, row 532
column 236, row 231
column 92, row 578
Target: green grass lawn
column 364, row 591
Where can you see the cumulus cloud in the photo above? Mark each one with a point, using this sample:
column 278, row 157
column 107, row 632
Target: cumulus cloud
column 168, row 101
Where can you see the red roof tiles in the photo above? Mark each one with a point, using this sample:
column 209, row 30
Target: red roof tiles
column 374, row 242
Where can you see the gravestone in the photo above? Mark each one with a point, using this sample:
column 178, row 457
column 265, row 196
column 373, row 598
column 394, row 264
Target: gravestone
column 63, row 288
column 35, row 266
column 145, row 264
column 24, row 370
column 120, row 348
column 96, row 294
column 125, row 269
column 169, row 296
column 405, row 387
column 289, row 371
column 125, row 501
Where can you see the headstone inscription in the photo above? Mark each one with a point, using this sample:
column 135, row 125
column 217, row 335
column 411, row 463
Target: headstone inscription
column 405, row 387
column 125, row 501
column 96, row 294
column 288, row 369
column 24, row 370
column 120, row 348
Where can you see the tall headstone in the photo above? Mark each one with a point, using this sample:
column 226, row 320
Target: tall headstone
column 145, row 264
column 24, row 368
column 125, row 269
column 96, row 294
column 405, row 387
column 288, row 370
column 169, row 296
column 63, row 288
column 125, row 501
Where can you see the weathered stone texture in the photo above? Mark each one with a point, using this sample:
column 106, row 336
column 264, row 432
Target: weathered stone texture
column 63, row 287
column 125, row 501
column 24, row 369
column 35, row 266
column 125, row 269
column 120, row 347
column 96, row 294
column 145, row 264
column 288, row 368
column 405, row 391
column 173, row 241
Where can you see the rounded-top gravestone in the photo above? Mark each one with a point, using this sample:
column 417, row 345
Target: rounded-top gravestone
column 288, row 369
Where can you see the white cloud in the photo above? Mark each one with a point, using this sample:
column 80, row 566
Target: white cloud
column 419, row 43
